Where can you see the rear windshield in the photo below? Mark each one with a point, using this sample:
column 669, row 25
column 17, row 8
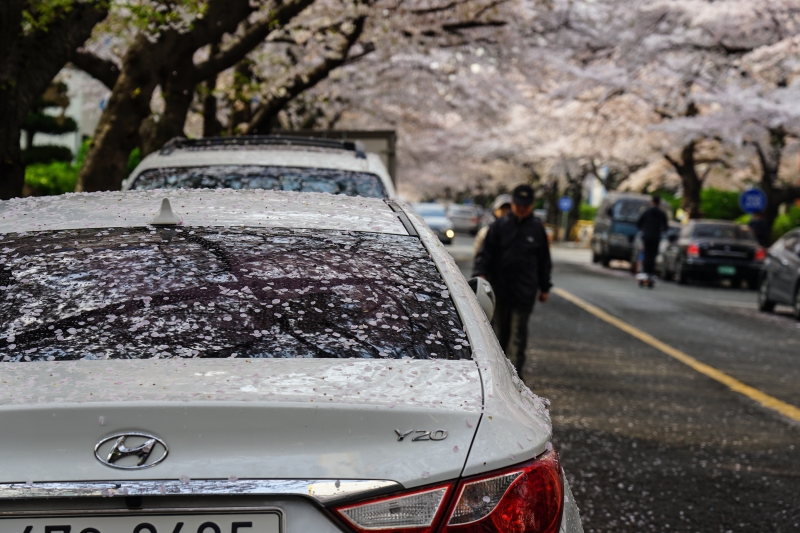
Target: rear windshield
column 220, row 292
column 722, row 231
column 262, row 177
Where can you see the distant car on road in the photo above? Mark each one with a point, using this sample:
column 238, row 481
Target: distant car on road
column 780, row 278
column 272, row 162
column 466, row 218
column 615, row 226
column 274, row 362
column 435, row 216
column 714, row 249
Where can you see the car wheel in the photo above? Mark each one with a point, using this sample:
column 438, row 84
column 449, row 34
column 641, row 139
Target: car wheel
column 797, row 304
column 595, row 257
column 765, row 305
column 605, row 260
column 680, row 274
column 663, row 273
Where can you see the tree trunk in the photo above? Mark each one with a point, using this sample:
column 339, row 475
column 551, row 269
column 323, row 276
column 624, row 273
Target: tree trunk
column 117, row 133
column 691, row 182
column 211, row 124
column 28, row 64
column 12, row 171
column 178, row 96
column 770, row 158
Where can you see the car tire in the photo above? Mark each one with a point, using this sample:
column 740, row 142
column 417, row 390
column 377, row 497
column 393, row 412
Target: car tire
column 605, row 260
column 665, row 274
column 765, row 305
column 680, row 274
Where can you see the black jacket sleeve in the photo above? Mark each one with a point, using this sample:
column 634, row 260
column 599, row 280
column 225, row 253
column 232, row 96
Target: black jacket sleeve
column 486, row 255
column 545, row 265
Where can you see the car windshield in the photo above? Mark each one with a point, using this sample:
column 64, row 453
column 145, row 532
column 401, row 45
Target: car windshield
column 430, row 210
column 722, row 231
column 630, row 210
column 273, row 178
column 213, row 292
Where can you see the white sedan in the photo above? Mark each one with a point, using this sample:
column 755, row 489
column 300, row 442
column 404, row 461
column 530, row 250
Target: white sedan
column 256, row 362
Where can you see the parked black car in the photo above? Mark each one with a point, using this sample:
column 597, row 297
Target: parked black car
column 780, row 277
column 615, row 226
column 714, row 249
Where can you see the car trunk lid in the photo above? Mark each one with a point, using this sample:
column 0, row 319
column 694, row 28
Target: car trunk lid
column 410, row 421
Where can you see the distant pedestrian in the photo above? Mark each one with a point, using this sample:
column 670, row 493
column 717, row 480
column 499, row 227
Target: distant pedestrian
column 652, row 224
column 515, row 259
column 758, row 224
column 500, row 208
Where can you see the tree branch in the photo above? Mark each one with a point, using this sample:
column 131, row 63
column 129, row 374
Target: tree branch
column 46, row 52
column 103, row 70
column 454, row 27
column 298, row 82
column 253, row 37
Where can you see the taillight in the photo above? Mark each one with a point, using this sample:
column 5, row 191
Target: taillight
column 527, row 498
column 693, row 250
column 411, row 512
column 760, row 254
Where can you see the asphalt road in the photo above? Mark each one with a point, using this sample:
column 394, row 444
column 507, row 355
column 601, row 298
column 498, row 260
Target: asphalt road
column 648, row 443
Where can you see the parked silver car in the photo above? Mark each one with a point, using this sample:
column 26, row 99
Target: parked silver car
column 435, row 217
column 273, row 362
column 466, row 218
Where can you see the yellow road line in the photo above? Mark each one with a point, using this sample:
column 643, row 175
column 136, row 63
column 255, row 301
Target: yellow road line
column 770, row 402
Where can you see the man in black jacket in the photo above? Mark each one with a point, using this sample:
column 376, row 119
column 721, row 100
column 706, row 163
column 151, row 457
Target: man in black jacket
column 652, row 224
column 515, row 259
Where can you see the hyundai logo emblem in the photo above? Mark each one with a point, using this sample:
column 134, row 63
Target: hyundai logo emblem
column 131, row 451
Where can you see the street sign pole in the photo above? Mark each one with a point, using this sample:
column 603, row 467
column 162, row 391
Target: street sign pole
column 564, row 205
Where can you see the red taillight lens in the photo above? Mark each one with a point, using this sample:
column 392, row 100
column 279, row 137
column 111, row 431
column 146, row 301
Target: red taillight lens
column 693, row 250
column 760, row 254
column 417, row 511
column 526, row 499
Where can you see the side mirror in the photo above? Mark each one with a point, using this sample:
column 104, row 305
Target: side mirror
column 483, row 291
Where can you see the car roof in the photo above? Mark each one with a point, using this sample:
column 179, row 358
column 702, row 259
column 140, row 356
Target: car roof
column 268, row 156
column 201, row 207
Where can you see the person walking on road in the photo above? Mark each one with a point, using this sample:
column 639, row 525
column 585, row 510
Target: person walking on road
column 500, row 208
column 652, row 224
column 760, row 228
column 515, row 260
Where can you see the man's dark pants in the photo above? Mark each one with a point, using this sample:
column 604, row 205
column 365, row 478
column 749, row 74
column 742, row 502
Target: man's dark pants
column 650, row 253
column 510, row 323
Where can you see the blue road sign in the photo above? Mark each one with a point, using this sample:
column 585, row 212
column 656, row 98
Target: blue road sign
column 753, row 201
column 564, row 203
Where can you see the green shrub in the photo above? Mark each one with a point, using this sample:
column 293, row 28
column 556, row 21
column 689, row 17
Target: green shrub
column 718, row 204
column 51, row 178
column 587, row 212
column 47, row 153
column 786, row 222
column 56, row 177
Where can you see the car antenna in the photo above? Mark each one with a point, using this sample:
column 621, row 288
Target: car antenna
column 166, row 217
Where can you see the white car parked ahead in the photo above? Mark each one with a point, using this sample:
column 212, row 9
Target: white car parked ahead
column 256, row 362
column 272, row 162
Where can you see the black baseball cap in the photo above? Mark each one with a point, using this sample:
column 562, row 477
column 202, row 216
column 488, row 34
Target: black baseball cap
column 523, row 195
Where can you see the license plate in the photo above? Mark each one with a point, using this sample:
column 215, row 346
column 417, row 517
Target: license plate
column 269, row 522
column 726, row 270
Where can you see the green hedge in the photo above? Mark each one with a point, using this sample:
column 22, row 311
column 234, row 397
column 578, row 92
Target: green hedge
column 587, row 212
column 47, row 153
column 718, row 204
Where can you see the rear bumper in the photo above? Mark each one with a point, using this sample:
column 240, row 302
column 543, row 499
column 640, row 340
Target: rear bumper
column 703, row 266
column 570, row 517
